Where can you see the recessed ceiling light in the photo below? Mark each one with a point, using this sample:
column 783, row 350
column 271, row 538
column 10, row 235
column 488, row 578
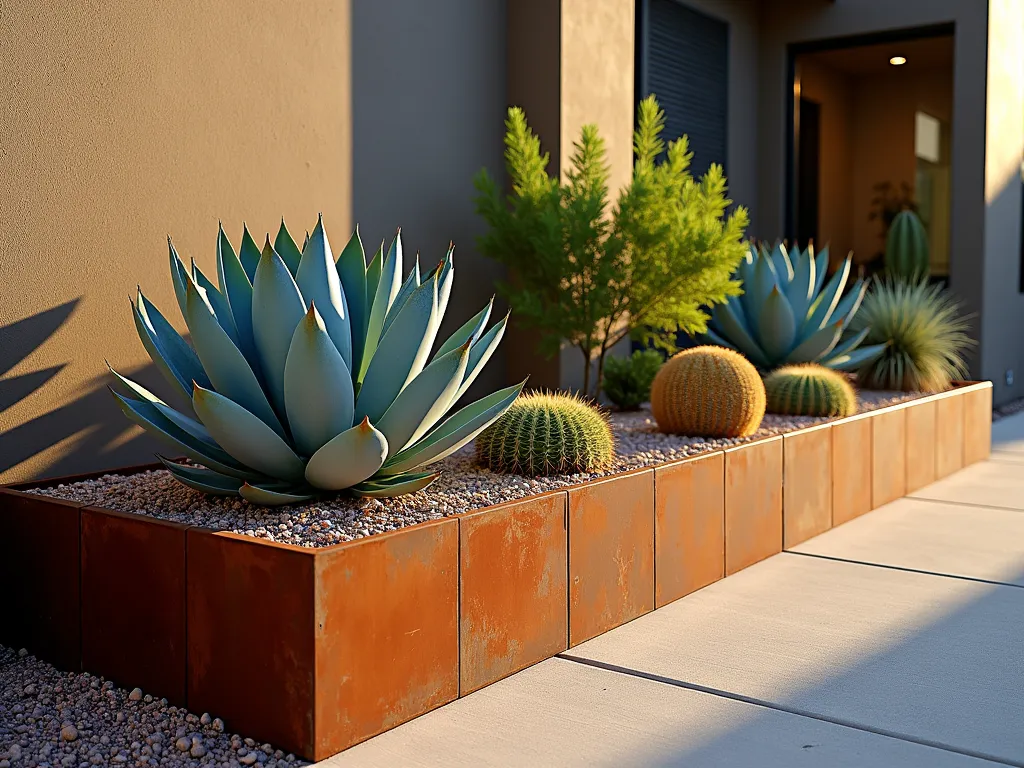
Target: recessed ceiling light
column 897, row 61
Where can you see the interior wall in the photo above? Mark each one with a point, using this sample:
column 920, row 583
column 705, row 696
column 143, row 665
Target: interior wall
column 428, row 110
column 832, row 90
column 121, row 123
column 884, row 112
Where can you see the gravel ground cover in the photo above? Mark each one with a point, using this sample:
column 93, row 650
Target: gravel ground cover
column 463, row 485
column 50, row 718
column 1008, row 409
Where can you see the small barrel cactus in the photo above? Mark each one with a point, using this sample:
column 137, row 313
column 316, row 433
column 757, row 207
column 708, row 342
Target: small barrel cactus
column 906, row 247
column 709, row 391
column 809, row 390
column 547, row 434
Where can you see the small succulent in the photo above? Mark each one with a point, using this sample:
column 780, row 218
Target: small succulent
column 709, row 392
column 923, row 334
column 906, row 247
column 547, row 434
column 809, row 390
column 309, row 375
column 627, row 380
column 785, row 316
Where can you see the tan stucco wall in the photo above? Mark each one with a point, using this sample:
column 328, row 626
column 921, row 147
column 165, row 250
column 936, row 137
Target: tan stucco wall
column 121, row 123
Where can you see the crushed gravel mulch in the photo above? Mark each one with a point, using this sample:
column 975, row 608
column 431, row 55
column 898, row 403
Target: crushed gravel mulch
column 463, row 485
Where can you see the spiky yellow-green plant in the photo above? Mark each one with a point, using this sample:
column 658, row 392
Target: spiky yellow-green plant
column 925, row 335
column 709, row 391
column 547, row 434
column 809, row 390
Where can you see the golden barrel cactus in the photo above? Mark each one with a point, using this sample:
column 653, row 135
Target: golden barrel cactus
column 708, row 391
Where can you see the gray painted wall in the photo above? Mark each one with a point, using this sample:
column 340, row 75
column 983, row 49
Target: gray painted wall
column 428, row 104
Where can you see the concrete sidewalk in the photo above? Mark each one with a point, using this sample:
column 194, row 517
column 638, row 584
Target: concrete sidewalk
column 894, row 640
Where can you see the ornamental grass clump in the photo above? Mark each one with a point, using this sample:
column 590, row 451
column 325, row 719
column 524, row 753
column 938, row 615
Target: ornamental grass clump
column 627, row 380
column 307, row 374
column 924, row 335
column 809, row 390
column 788, row 314
column 709, row 392
column 547, row 434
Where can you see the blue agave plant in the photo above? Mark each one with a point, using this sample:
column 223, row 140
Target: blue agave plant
column 309, row 375
column 785, row 316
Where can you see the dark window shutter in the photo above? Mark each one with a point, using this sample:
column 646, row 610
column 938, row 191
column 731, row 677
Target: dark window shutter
column 686, row 66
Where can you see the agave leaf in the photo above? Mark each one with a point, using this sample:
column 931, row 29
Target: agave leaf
column 852, row 341
column 217, row 302
column 287, row 249
column 776, row 326
column 825, row 304
column 373, row 273
column 714, row 338
column 820, row 269
column 817, row 345
column 781, row 262
column 317, row 386
column 421, row 404
column 147, row 416
column 202, row 479
column 402, row 353
column 249, row 254
column 847, row 307
column 469, row 332
column 446, row 281
column 178, row 276
column 395, row 486
column 745, row 269
column 136, row 391
column 351, row 267
column 454, row 432
column 729, row 318
column 245, row 436
column 350, row 458
column 480, row 353
column 800, row 289
column 175, row 359
column 237, row 290
column 858, row 358
column 277, row 309
column 227, row 368
column 756, row 292
column 317, row 278
column 386, row 286
column 267, row 497
column 412, row 282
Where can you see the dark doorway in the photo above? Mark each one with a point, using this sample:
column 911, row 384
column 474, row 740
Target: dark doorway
column 808, row 172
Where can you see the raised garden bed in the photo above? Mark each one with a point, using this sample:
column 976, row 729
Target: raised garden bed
column 316, row 648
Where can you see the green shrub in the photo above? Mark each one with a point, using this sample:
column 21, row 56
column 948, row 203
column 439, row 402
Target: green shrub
column 809, row 390
column 627, row 380
column 924, row 333
column 591, row 273
column 906, row 247
column 547, row 434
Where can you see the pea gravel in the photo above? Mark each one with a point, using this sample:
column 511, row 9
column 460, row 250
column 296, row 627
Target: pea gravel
column 463, row 485
column 50, row 718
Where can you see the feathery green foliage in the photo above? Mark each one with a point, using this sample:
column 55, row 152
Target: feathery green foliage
column 924, row 333
column 809, row 390
column 309, row 374
column 906, row 247
column 591, row 273
column 547, row 434
column 789, row 314
column 627, row 380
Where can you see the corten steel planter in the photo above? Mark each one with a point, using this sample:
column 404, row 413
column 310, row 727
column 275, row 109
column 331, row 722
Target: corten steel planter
column 611, row 553
column 689, row 534
column 133, row 601
column 949, row 433
column 888, row 455
column 921, row 440
column 513, row 588
column 315, row 650
column 807, row 484
column 40, row 605
column 851, row 467
column 977, row 401
column 753, row 503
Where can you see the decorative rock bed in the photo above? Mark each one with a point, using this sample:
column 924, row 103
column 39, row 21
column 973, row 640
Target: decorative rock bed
column 353, row 638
